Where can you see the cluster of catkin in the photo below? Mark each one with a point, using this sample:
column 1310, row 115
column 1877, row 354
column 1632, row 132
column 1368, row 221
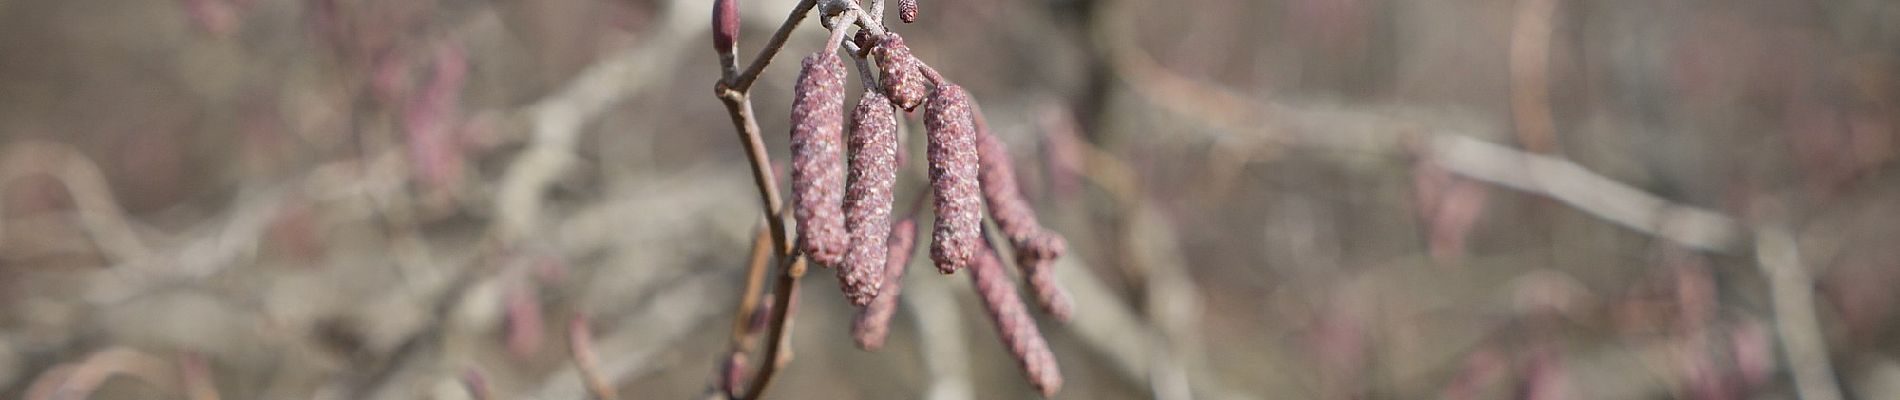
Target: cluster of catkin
column 844, row 173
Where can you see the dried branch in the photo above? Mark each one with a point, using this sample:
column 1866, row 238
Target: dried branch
column 98, row 209
column 1247, row 122
column 556, row 121
column 1791, row 291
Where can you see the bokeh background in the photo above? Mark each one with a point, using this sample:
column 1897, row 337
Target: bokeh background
column 1335, row 199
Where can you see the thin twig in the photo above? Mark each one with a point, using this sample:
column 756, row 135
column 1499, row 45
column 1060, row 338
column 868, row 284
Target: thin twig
column 1530, row 75
column 1792, row 292
column 556, row 122
column 734, row 93
column 754, row 281
column 744, row 80
column 580, row 342
column 92, row 198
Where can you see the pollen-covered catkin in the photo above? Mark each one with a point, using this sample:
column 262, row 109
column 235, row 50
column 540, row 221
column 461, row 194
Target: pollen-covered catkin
column 1014, row 324
column 902, row 81
column 817, row 158
column 951, row 136
column 1036, row 247
column 873, row 322
column 868, row 195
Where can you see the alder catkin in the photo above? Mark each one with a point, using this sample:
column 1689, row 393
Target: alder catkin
column 1036, row 247
column 951, row 136
column 817, row 158
column 867, row 201
column 1014, row 324
column 873, row 322
column 725, row 24
column 1049, row 294
column 907, row 10
column 902, row 82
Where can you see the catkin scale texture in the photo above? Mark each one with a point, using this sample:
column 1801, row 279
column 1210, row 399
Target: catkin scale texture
column 951, row 144
column 902, row 82
column 1036, row 247
column 817, row 158
column 873, row 322
column 907, row 10
column 867, row 203
column 1014, row 324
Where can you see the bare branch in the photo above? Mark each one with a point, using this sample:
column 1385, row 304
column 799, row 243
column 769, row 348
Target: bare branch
column 1792, row 292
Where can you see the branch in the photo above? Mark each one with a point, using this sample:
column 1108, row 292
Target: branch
column 556, row 121
column 92, row 198
column 1791, row 291
column 743, row 82
column 1248, row 122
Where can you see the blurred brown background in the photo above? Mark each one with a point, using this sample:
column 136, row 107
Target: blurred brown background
column 1339, row 199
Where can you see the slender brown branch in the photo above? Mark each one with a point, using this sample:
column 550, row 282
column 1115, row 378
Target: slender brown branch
column 734, row 93
column 785, row 294
column 744, row 81
column 754, row 280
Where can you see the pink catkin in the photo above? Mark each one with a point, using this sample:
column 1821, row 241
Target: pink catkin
column 907, row 10
column 817, row 158
column 873, row 323
column 1036, row 247
column 953, row 176
column 903, row 81
column 1014, row 324
column 867, row 201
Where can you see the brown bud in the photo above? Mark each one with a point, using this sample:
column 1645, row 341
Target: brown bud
column 903, row 82
column 1014, row 324
column 907, row 10
column 867, row 201
column 1036, row 247
column 817, row 158
column 725, row 25
column 953, row 176
column 873, row 322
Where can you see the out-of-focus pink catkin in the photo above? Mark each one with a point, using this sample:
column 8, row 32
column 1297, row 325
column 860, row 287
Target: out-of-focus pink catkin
column 902, row 82
column 818, row 159
column 868, row 195
column 725, row 23
column 873, row 322
column 1036, row 247
column 1014, row 324
column 429, row 119
column 953, row 176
